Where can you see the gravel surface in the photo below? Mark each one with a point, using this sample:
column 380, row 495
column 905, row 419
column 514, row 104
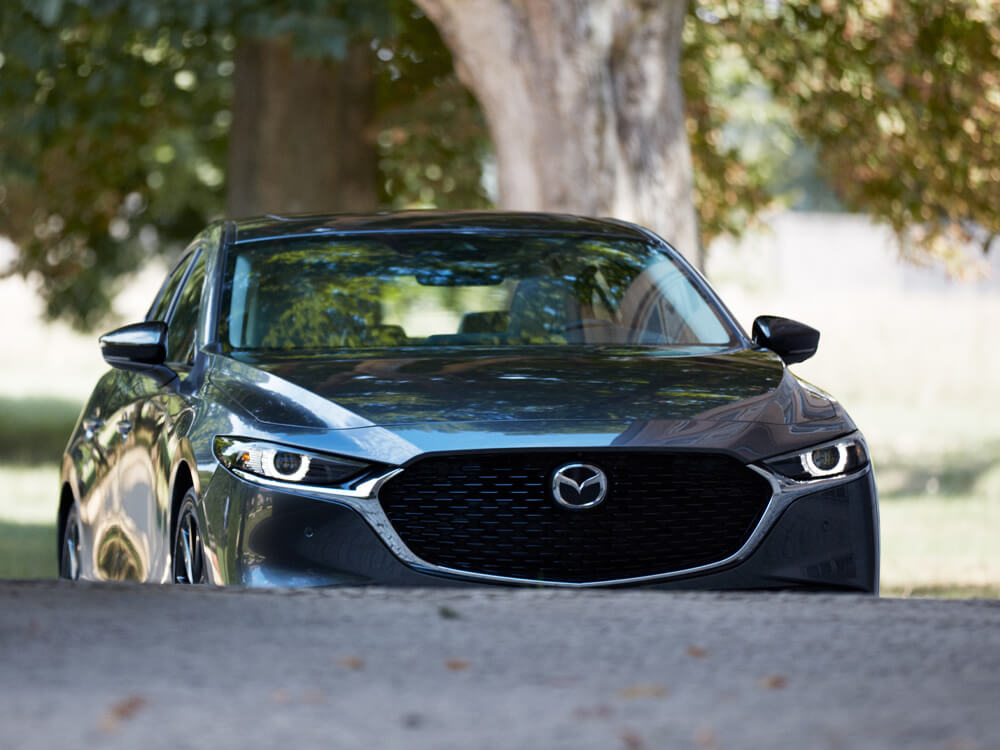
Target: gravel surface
column 128, row 666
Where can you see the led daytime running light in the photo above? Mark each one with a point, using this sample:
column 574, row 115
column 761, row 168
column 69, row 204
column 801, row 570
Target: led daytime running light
column 267, row 463
column 809, row 462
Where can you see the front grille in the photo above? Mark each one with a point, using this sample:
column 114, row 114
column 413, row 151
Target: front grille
column 493, row 513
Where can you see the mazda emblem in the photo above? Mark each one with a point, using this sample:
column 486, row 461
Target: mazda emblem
column 578, row 486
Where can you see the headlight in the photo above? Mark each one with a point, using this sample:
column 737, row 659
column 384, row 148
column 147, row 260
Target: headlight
column 286, row 464
column 831, row 459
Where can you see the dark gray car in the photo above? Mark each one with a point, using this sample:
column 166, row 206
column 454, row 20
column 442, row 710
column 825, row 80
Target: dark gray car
column 445, row 398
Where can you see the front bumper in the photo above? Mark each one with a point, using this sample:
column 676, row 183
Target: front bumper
column 814, row 537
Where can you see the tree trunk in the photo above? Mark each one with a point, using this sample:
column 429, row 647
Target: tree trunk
column 584, row 104
column 300, row 139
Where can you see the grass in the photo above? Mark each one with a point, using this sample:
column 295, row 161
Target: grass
column 28, row 509
column 940, row 542
column 35, row 429
column 942, row 592
column 940, row 518
column 27, row 550
column 31, row 494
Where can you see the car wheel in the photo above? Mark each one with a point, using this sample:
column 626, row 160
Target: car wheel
column 69, row 551
column 189, row 553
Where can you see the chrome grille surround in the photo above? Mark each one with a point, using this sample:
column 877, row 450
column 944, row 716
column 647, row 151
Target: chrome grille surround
column 493, row 513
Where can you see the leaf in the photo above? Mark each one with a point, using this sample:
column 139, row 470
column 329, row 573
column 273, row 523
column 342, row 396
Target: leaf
column 122, row 710
column 457, row 665
column 772, row 682
column 632, row 740
column 696, row 652
column 644, row 691
column 352, row 662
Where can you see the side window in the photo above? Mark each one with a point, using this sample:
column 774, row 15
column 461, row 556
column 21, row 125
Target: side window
column 162, row 304
column 182, row 327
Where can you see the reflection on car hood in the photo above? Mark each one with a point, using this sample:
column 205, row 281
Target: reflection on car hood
column 596, row 384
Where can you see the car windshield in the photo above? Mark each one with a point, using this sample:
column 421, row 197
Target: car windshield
column 423, row 290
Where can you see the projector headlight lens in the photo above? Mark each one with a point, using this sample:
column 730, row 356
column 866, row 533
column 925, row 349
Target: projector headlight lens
column 285, row 464
column 833, row 459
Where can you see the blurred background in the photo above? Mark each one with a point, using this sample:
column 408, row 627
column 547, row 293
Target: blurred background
column 834, row 162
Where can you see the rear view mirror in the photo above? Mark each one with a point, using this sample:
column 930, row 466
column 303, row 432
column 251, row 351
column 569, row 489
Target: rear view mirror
column 462, row 278
column 789, row 339
column 140, row 347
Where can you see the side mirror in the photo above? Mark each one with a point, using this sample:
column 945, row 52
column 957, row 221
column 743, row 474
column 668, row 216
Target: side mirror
column 789, row 339
column 139, row 347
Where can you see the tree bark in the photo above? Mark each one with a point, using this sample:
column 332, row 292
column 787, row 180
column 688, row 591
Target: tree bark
column 584, row 103
column 300, row 139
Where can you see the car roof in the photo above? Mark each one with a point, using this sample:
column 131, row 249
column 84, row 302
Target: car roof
column 406, row 222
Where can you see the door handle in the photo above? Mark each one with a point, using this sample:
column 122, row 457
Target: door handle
column 91, row 426
column 124, row 428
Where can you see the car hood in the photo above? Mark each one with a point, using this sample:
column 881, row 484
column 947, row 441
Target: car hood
column 516, row 386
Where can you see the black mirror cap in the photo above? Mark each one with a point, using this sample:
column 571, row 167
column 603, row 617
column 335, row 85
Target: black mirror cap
column 139, row 347
column 789, row 339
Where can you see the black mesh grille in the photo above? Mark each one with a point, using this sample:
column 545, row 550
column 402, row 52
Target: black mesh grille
column 494, row 513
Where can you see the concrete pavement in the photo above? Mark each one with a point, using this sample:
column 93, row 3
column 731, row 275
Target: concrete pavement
column 130, row 666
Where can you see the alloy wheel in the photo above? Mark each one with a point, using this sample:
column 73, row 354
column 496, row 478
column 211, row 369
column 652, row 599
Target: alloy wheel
column 189, row 556
column 69, row 559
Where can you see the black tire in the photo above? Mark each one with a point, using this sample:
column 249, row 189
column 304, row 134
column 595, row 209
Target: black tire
column 69, row 548
column 188, row 556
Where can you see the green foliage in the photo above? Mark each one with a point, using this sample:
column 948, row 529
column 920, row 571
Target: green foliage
column 115, row 115
column 729, row 189
column 28, row 550
column 901, row 98
column 432, row 137
column 111, row 139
